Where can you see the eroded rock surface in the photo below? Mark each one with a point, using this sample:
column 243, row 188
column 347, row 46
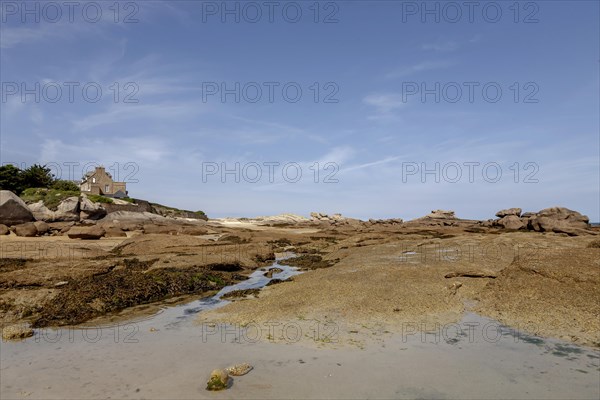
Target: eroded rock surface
column 13, row 210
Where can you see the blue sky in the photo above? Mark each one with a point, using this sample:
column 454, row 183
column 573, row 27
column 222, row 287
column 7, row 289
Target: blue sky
column 362, row 120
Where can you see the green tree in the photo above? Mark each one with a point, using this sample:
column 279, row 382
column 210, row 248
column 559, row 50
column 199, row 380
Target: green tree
column 11, row 178
column 37, row 176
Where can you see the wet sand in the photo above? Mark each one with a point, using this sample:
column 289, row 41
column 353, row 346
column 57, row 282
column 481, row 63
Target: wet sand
column 168, row 357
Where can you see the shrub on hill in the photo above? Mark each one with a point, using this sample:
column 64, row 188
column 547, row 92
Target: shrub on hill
column 60, row 184
column 50, row 197
column 96, row 198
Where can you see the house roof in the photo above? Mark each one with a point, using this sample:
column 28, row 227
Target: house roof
column 90, row 173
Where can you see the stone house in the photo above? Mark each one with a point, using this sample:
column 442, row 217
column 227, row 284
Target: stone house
column 100, row 182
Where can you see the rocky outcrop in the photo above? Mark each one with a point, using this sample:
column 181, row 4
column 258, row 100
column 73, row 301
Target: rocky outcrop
column 126, row 226
column 441, row 214
column 334, row 219
column 487, row 223
column 138, row 207
column 192, row 231
column 41, row 212
column 391, row 221
column 129, row 221
column 86, row 232
column 160, row 229
column 315, row 216
column 27, row 229
column 41, row 227
column 4, row 230
column 176, row 213
column 134, row 217
column 281, row 219
column 559, row 220
column 554, row 219
column 67, row 210
column 525, row 217
column 90, row 210
column 128, row 217
column 438, row 218
column 169, row 227
column 509, row 211
column 472, row 274
column 61, row 227
column 564, row 214
column 511, row 221
column 114, row 231
column 13, row 210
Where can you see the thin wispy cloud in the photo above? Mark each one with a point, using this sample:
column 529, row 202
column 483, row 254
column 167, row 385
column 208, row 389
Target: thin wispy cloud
column 385, row 102
column 442, row 46
column 15, row 33
column 420, row 67
column 143, row 149
column 12, row 37
column 385, row 107
column 358, row 167
column 117, row 114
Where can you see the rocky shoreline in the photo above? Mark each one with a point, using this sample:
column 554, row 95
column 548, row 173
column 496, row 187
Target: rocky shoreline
column 81, row 218
column 519, row 268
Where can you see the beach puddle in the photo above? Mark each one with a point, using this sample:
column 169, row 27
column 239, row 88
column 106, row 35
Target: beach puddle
column 170, row 317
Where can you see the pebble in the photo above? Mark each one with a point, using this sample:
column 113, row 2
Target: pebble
column 239, row 369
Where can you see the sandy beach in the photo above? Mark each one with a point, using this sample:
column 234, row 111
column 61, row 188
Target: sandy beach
column 379, row 313
column 156, row 359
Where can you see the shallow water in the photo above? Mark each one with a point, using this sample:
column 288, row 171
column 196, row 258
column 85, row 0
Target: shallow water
column 172, row 316
column 168, row 355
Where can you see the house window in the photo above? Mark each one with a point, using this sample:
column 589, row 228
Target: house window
column 93, row 180
column 106, row 188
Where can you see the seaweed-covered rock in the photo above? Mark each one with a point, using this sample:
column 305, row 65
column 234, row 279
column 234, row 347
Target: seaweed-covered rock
column 16, row 332
column 272, row 271
column 236, row 294
column 219, row 379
